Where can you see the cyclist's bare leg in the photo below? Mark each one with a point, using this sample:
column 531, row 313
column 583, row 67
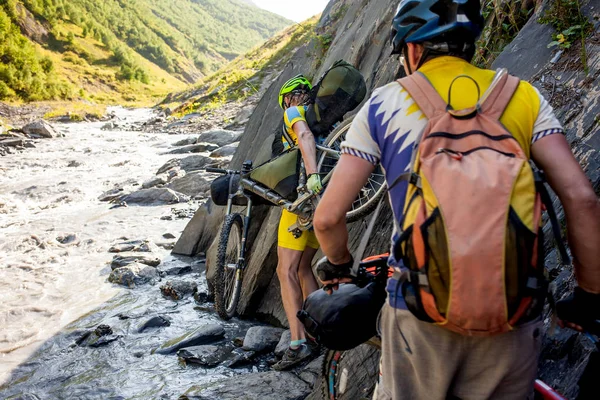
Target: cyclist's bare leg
column 307, row 278
column 291, row 291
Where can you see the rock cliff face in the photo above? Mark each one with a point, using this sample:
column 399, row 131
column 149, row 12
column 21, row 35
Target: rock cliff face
column 360, row 30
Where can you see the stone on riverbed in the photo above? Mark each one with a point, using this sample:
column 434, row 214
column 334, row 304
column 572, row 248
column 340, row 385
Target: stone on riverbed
column 262, row 338
column 219, row 137
column 154, row 196
column 241, row 358
column 157, row 180
column 264, row 385
column 131, row 245
column 283, row 344
column 125, row 258
column 203, row 335
column 133, row 274
column 154, row 322
column 41, row 129
column 101, row 336
column 178, row 290
column 225, row 151
column 208, row 356
column 195, row 148
column 188, row 164
column 192, row 184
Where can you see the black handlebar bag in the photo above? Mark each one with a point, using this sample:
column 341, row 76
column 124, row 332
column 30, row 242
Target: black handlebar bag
column 346, row 318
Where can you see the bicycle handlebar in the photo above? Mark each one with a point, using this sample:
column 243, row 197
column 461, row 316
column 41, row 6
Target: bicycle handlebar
column 220, row 171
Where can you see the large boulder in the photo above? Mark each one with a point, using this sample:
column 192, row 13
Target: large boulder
column 225, row 151
column 262, row 338
column 188, row 164
column 40, row 128
column 219, row 137
column 155, row 196
column 191, row 184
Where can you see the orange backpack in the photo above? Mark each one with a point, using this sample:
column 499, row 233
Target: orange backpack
column 471, row 235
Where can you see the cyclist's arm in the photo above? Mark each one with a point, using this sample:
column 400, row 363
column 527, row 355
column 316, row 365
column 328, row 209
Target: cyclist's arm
column 582, row 207
column 349, row 176
column 306, row 142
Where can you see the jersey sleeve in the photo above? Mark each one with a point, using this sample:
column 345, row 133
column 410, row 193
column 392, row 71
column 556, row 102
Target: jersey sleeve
column 546, row 123
column 359, row 141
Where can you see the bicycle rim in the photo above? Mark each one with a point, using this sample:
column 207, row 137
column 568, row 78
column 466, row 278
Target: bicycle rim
column 229, row 271
column 373, row 189
column 352, row 374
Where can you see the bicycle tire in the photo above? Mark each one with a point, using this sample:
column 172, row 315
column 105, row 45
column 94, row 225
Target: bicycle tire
column 339, row 380
column 360, row 207
column 228, row 273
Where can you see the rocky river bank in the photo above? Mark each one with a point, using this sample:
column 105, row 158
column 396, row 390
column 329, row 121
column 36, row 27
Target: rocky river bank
column 89, row 208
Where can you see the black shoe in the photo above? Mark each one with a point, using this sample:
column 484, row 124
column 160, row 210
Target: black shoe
column 293, row 357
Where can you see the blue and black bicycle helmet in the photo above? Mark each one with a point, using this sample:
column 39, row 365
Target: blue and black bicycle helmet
column 447, row 24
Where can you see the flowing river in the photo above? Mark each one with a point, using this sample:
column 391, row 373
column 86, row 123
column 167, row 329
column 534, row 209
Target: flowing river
column 54, row 237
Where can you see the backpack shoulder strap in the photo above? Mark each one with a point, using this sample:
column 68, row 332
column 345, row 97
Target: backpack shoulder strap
column 424, row 94
column 495, row 100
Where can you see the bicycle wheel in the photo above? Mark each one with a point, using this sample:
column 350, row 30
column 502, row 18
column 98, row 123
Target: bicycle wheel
column 352, row 374
column 373, row 190
column 228, row 275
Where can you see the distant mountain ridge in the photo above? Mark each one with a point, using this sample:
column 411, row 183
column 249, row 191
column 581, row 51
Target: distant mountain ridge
column 151, row 42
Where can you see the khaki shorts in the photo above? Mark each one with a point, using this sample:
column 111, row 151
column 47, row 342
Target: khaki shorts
column 422, row 361
column 286, row 240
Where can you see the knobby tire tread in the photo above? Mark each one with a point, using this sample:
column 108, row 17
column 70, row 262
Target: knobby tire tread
column 220, row 276
column 361, row 212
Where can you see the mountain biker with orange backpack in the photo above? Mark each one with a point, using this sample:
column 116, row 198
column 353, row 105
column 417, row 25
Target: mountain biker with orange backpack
column 295, row 254
column 462, row 318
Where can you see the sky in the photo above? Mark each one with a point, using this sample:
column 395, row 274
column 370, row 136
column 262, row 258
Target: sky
column 295, row 10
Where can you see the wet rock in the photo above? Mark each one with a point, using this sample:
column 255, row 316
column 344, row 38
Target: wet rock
column 74, row 164
column 178, row 270
column 155, row 181
column 40, row 129
column 219, row 137
column 208, row 356
column 109, row 126
column 203, row 335
column 70, row 239
column 203, row 297
column 154, row 196
column 190, row 163
column 262, row 338
column 192, row 184
column 154, row 322
column 264, row 385
column 133, row 274
column 101, row 336
column 225, row 151
column 195, row 148
column 178, row 290
column 284, row 343
column 126, row 258
column 26, row 396
column 131, row 245
column 111, row 195
column 240, row 358
column 175, row 173
column 187, row 141
column 168, row 236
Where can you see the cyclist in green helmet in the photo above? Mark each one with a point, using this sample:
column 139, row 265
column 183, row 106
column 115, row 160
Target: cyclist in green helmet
column 295, row 254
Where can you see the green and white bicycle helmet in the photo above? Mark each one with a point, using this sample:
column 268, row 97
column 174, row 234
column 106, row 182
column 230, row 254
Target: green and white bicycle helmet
column 299, row 82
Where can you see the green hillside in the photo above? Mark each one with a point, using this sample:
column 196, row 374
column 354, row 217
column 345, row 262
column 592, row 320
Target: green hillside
column 62, row 49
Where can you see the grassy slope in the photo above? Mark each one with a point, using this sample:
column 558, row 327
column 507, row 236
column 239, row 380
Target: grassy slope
column 180, row 30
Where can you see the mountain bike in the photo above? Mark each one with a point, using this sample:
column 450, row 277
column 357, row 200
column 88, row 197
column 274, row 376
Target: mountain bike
column 232, row 251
